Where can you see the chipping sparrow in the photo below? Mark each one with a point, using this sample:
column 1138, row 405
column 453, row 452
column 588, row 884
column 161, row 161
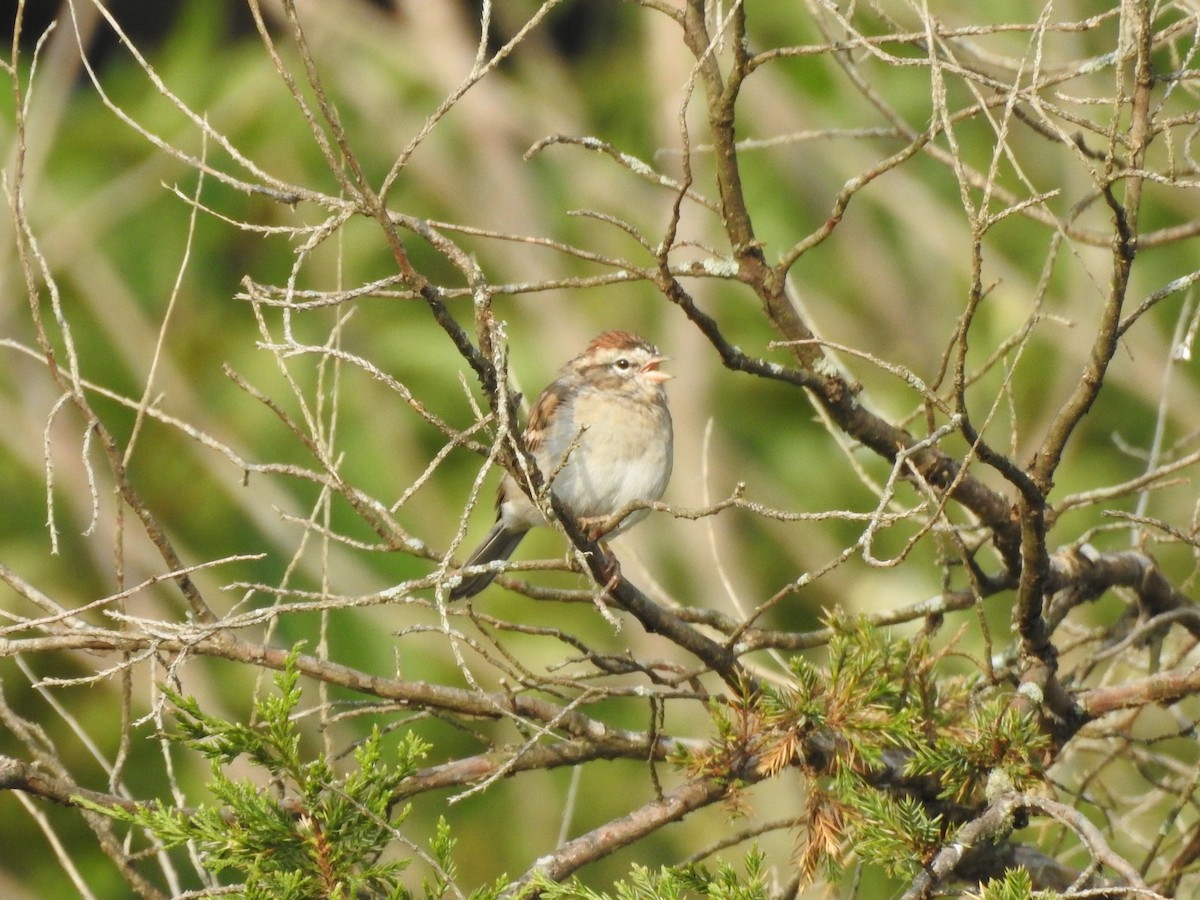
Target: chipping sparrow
column 607, row 414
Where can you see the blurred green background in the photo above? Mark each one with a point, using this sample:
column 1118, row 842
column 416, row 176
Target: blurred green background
column 891, row 281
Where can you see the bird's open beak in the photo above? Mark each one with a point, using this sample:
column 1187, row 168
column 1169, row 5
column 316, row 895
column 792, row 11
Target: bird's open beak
column 650, row 369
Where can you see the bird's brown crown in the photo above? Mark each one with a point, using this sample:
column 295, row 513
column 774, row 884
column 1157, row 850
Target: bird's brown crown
column 619, row 340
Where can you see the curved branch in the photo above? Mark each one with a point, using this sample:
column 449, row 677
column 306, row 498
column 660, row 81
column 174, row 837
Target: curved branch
column 611, row 836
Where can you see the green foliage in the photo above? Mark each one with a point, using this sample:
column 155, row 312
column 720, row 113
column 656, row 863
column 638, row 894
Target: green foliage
column 1017, row 884
column 880, row 732
column 672, row 883
column 318, row 833
column 895, row 833
column 991, row 736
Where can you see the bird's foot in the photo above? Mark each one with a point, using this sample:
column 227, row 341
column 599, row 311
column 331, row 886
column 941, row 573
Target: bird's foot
column 612, row 569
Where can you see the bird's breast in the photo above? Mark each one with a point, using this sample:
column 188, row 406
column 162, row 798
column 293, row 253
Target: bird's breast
column 616, row 450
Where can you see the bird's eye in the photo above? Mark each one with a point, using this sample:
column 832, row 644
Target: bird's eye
column 623, row 364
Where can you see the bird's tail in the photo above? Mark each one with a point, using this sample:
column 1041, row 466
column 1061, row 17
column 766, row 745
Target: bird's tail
column 499, row 544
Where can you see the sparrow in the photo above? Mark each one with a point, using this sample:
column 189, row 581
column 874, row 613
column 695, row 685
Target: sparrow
column 601, row 436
